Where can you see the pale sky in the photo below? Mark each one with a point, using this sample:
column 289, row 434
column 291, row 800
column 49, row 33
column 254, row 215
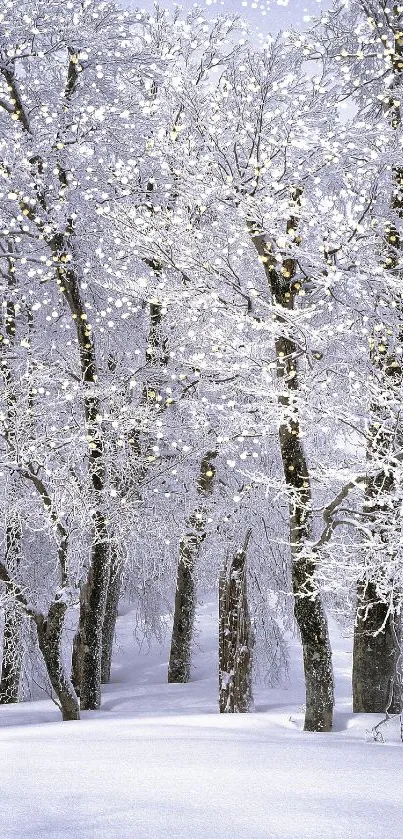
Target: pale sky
column 263, row 15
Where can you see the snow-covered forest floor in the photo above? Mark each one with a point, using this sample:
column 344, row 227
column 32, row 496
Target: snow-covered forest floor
column 159, row 761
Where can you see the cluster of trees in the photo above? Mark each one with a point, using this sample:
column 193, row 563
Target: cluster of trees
column 201, row 340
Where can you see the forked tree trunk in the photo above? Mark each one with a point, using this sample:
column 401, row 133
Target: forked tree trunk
column 308, row 609
column 235, row 637
column 185, row 595
column 61, row 246
column 50, row 631
column 94, row 594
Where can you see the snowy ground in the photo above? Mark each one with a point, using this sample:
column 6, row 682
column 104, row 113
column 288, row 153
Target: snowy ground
column 159, row 762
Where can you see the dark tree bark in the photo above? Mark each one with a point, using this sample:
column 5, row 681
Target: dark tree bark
column 375, row 653
column 235, row 637
column 50, row 631
column 377, row 631
column 87, row 648
column 308, row 609
column 185, row 595
column 111, row 613
column 184, row 611
column 78, row 649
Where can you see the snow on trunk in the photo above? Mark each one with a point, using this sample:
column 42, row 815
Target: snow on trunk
column 235, row 636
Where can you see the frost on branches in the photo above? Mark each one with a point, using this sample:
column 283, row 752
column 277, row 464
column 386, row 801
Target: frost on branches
column 201, row 339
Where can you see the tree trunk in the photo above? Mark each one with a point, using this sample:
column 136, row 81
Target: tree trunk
column 95, row 589
column 111, row 612
column 78, row 647
column 12, row 656
column 184, row 613
column 235, row 637
column 50, row 632
column 61, row 245
column 185, row 596
column 377, row 632
column 375, row 655
column 87, row 647
column 308, row 609
column 96, row 592
column 312, row 624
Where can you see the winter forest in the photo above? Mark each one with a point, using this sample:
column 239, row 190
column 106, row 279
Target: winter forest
column 201, row 431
